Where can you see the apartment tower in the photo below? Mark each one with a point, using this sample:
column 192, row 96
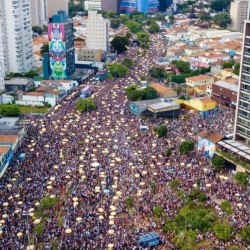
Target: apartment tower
column 130, row 6
column 2, row 70
column 16, row 35
column 238, row 14
column 39, row 12
column 242, row 121
column 97, row 31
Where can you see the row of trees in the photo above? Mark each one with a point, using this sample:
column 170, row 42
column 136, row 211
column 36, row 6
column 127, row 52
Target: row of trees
column 135, row 94
column 29, row 74
column 11, row 110
column 86, row 105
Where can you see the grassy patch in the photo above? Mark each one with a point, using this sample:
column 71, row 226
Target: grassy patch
column 33, row 109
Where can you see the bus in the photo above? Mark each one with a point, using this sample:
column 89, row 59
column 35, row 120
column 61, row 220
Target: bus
column 87, row 91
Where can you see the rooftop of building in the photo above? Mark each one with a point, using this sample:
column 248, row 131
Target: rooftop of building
column 4, row 149
column 226, row 85
column 211, row 136
column 145, row 103
column 17, row 81
column 8, row 138
column 8, row 121
column 199, row 78
column 160, row 88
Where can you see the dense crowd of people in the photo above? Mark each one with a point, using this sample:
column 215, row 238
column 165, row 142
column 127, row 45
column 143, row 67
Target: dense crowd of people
column 94, row 161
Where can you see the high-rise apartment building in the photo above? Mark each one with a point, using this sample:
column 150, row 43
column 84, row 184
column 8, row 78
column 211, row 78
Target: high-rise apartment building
column 97, row 31
column 238, row 14
column 1, row 61
column 129, row 6
column 113, row 5
column 56, row 5
column 16, row 35
column 92, row 5
column 242, row 121
column 39, row 12
column 61, row 46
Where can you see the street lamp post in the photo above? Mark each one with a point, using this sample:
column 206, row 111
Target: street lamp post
column 25, row 213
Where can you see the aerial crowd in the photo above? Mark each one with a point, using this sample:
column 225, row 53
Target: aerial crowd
column 92, row 162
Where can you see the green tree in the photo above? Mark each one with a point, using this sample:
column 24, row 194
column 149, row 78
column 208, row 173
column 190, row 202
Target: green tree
column 174, row 184
column 44, row 48
column 168, row 152
column 114, row 23
column 73, row 8
column 161, row 131
column 245, row 234
column 133, row 26
column 158, row 72
column 228, row 64
column 222, row 19
column 197, row 195
column 119, row 44
column 226, row 207
column 185, row 239
column 218, row 162
column 183, row 66
column 37, row 29
column 129, row 202
column 242, row 178
column 178, row 78
column 11, row 110
column 135, row 94
column 110, row 14
column 236, row 70
column 128, row 62
column 205, row 18
column 143, row 38
column 85, row 105
column 186, row 147
column 223, row 231
column 124, row 18
column 220, row 5
column 117, row 70
column 149, row 93
column 154, row 28
column 158, row 211
column 171, row 19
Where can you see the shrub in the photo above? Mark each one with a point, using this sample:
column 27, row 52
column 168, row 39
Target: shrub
column 218, row 162
column 168, row 152
column 87, row 104
column 226, row 207
column 174, row 184
column 129, row 202
column 245, row 234
column 242, row 178
column 223, row 231
column 197, row 195
column 161, row 131
column 186, row 147
column 158, row 211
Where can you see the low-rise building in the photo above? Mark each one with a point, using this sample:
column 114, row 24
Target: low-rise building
column 225, row 93
column 164, row 91
column 204, row 105
column 207, row 142
column 199, row 80
column 14, row 84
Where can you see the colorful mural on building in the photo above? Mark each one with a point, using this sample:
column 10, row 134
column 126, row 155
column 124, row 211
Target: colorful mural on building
column 57, row 51
column 206, row 147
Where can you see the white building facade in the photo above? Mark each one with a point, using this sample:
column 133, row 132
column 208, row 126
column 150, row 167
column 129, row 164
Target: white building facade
column 238, row 14
column 92, row 5
column 39, row 12
column 1, row 61
column 97, row 31
column 15, row 17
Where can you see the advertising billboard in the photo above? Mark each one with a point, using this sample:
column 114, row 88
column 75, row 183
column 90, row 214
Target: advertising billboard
column 57, row 50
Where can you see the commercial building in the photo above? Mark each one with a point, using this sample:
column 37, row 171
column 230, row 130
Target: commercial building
column 16, row 35
column 238, row 14
column 86, row 54
column 129, row 6
column 61, row 47
column 242, row 121
column 97, row 30
column 39, row 12
column 108, row 5
column 57, row 5
column 92, row 5
column 225, row 93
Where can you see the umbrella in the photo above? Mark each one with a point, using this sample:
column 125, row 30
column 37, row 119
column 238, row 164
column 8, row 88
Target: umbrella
column 78, row 219
column 31, row 247
column 101, row 217
column 95, row 164
column 19, row 202
column 5, row 216
column 111, row 222
column 5, row 204
column 75, row 199
column 68, row 231
column 111, row 231
column 37, row 221
column 208, row 185
column 19, row 235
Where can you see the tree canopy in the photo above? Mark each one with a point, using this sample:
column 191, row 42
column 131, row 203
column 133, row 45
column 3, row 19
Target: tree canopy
column 153, row 28
column 128, row 62
column 218, row 162
column 85, row 105
column 183, row 66
column 186, row 147
column 134, row 26
column 44, row 49
column 222, row 19
column 117, row 70
column 11, row 110
column 223, row 231
column 120, row 43
column 75, row 7
column 143, row 38
column 158, row 72
column 135, row 94
column 220, row 5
